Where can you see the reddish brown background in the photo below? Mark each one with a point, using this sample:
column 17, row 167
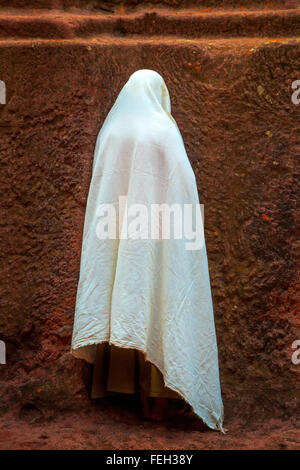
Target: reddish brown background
column 229, row 73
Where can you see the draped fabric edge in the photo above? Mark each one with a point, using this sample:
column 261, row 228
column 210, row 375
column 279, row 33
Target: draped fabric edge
column 75, row 351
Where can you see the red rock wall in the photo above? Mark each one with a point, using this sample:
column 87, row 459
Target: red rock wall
column 230, row 81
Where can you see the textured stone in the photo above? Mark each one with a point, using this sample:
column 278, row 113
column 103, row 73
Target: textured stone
column 155, row 22
column 115, row 5
column 232, row 101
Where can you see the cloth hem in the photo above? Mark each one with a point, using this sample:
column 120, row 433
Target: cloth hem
column 219, row 421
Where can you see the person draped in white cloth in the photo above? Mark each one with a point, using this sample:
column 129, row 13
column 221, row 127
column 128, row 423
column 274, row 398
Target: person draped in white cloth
column 149, row 293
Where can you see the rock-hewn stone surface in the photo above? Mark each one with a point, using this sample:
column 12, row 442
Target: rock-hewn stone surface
column 232, row 101
column 113, row 5
column 160, row 22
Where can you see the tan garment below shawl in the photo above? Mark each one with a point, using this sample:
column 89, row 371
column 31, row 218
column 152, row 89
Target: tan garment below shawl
column 120, row 370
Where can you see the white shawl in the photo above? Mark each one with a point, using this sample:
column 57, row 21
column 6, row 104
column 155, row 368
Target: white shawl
column 150, row 294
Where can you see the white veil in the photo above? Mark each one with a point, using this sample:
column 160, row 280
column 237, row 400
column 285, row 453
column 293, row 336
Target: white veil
column 147, row 294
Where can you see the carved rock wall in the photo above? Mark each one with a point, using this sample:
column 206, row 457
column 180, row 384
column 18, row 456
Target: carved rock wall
column 230, row 77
